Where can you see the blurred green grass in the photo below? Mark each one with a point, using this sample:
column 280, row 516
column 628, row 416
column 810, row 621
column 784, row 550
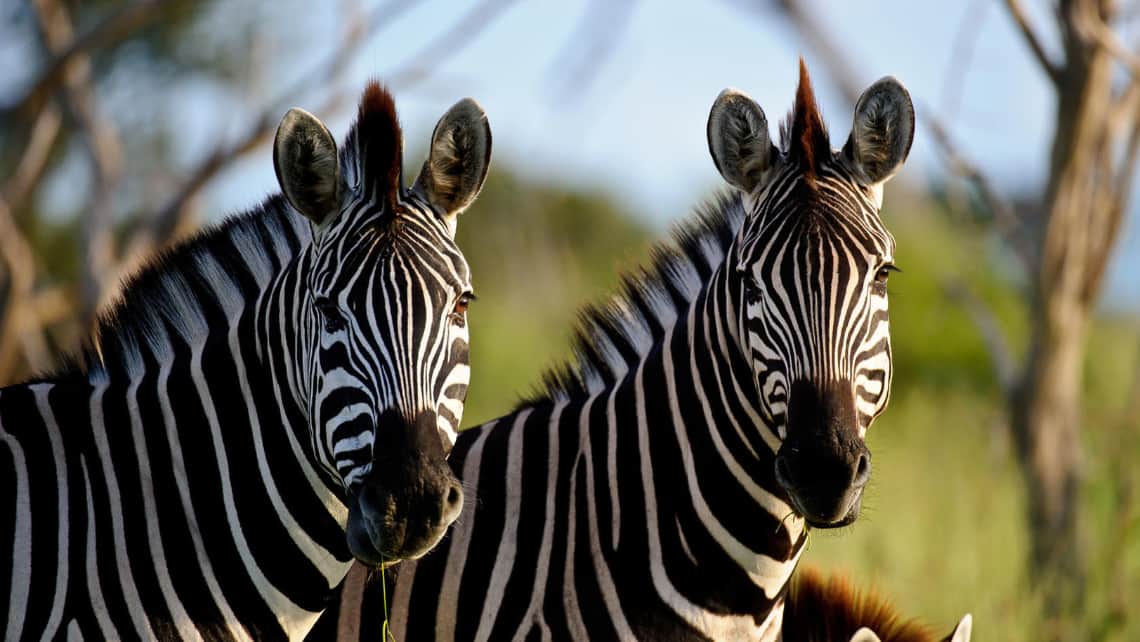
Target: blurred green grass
column 942, row 531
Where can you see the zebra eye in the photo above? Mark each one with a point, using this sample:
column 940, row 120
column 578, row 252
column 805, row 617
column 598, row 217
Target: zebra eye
column 459, row 312
column 884, row 273
column 752, row 289
column 330, row 314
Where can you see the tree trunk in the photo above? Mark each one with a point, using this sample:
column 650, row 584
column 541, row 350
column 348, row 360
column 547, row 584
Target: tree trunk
column 1080, row 202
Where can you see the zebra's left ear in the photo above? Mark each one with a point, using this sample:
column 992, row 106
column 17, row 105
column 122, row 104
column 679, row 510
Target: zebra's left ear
column 882, row 132
column 305, row 159
column 458, row 160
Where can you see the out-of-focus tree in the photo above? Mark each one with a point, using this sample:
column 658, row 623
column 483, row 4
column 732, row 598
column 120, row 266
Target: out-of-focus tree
column 1063, row 241
column 93, row 151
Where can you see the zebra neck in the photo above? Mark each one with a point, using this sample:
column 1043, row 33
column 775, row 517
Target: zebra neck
column 734, row 515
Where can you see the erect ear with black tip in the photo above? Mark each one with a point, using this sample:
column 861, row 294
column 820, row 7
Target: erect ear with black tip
column 739, row 142
column 457, row 161
column 881, row 133
column 305, row 159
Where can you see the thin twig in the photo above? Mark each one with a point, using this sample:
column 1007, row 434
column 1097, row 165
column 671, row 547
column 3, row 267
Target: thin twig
column 105, row 150
column 1001, row 357
column 447, row 44
column 1008, row 223
column 1021, row 19
column 20, row 260
column 835, row 61
column 172, row 216
column 590, row 45
column 33, row 161
column 118, row 26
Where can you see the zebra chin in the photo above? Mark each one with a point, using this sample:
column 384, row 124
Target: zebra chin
column 405, row 503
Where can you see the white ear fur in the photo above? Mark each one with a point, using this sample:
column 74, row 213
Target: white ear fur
column 865, row 635
column 458, row 160
column 307, row 166
column 739, row 141
column 964, row 629
column 882, row 132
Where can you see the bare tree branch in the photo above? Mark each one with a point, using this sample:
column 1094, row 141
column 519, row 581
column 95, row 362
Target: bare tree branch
column 104, row 147
column 589, row 46
column 1021, row 19
column 836, row 63
column 447, row 44
column 1001, row 357
column 20, row 260
column 1093, row 28
column 118, row 26
column 33, row 162
column 173, row 215
column 1008, row 223
column 962, row 53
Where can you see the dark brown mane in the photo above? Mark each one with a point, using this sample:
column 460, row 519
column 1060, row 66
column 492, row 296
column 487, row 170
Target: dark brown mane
column 376, row 143
column 803, row 135
column 819, row 609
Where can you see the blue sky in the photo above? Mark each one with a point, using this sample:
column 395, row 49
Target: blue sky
column 637, row 128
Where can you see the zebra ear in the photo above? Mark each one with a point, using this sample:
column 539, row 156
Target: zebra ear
column 865, row 635
column 458, row 160
column 738, row 140
column 963, row 630
column 305, row 159
column 882, row 132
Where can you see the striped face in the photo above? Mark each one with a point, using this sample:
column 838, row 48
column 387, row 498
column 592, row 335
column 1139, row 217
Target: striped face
column 384, row 318
column 814, row 264
column 811, row 261
column 389, row 311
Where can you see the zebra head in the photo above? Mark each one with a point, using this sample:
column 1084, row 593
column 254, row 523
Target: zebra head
column 810, row 264
column 385, row 357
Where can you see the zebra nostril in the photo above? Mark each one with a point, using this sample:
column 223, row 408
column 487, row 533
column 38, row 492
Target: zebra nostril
column 452, row 503
column 783, row 472
column 862, row 470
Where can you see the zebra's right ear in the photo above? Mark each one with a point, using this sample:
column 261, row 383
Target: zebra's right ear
column 738, row 140
column 458, row 160
column 881, row 133
column 305, row 159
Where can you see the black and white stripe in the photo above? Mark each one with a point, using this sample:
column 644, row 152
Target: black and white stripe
column 639, row 497
column 192, row 474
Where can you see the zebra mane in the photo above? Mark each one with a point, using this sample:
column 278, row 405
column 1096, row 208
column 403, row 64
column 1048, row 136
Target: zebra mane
column 614, row 335
column 819, row 609
column 803, row 135
column 185, row 290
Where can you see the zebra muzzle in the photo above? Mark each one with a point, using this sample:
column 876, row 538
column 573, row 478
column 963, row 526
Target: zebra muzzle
column 402, row 508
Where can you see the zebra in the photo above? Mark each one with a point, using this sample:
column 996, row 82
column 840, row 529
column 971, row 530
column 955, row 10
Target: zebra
column 662, row 486
column 266, row 402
